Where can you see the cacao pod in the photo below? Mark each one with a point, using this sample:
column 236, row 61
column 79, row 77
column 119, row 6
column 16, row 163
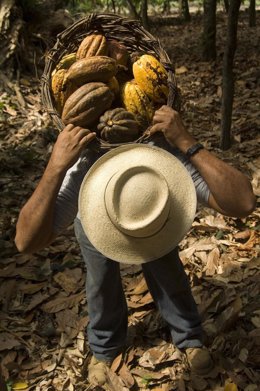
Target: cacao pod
column 65, row 62
column 60, row 91
column 151, row 77
column 92, row 45
column 137, row 102
column 97, row 68
column 118, row 126
column 118, row 51
column 86, row 104
column 113, row 85
column 57, row 81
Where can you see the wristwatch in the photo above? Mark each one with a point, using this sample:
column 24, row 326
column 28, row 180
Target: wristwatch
column 193, row 150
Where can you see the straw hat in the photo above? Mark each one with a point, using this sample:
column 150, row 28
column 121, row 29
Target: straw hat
column 136, row 203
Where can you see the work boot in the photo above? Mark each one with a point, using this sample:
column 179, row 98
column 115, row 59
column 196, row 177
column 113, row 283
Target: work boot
column 97, row 371
column 199, row 360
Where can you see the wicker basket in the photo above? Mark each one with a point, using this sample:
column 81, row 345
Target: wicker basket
column 129, row 32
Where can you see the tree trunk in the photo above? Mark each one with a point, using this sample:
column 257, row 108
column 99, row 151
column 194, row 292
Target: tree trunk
column 228, row 76
column 132, row 9
column 144, row 15
column 252, row 14
column 209, row 30
column 11, row 23
column 166, row 7
column 113, row 6
column 226, row 4
column 2, row 384
column 184, row 10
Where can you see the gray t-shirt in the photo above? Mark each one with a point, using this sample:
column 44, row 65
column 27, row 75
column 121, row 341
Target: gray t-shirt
column 66, row 207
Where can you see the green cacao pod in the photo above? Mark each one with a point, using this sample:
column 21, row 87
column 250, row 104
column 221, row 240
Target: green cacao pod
column 118, row 126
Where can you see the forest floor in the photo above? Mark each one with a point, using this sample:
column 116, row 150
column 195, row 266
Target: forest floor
column 43, row 310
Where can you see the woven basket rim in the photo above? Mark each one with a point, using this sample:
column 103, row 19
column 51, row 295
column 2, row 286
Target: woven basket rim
column 127, row 31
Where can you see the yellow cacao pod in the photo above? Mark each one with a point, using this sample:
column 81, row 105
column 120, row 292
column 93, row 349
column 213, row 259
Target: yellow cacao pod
column 137, row 102
column 65, row 62
column 60, row 91
column 151, row 77
column 92, row 45
column 57, row 88
column 57, row 81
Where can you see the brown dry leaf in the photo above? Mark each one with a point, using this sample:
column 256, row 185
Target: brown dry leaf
column 164, row 387
column 141, row 301
column 126, row 376
column 180, row 70
column 60, row 303
column 30, row 288
column 114, row 382
column 157, row 355
column 140, row 288
column 229, row 316
column 69, row 279
column 144, row 374
column 253, row 240
column 242, row 235
column 212, row 262
column 37, row 299
column 8, row 341
column 117, row 362
column 213, row 222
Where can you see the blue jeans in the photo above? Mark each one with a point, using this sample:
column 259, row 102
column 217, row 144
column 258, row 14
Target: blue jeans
column 107, row 308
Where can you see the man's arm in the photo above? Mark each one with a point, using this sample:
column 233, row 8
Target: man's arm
column 230, row 191
column 34, row 229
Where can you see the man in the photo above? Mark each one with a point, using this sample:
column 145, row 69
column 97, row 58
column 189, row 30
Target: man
column 54, row 205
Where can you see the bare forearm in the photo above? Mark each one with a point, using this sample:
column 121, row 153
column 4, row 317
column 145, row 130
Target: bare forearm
column 34, row 228
column 230, row 190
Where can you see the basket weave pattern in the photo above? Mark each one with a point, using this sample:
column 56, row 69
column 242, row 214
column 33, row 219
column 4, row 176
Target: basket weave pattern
column 128, row 32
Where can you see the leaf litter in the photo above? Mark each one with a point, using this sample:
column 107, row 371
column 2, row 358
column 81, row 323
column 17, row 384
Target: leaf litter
column 44, row 311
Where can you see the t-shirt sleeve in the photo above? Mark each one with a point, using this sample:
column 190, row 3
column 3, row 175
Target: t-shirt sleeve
column 66, row 206
column 202, row 189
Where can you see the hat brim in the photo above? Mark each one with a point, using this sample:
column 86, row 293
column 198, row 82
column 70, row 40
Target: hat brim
column 102, row 233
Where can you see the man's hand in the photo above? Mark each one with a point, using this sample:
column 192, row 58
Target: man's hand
column 69, row 145
column 168, row 121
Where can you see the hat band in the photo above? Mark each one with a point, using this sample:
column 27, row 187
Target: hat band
column 137, row 201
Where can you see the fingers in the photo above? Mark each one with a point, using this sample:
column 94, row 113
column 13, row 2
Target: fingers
column 156, row 128
column 87, row 138
column 68, row 128
column 163, row 113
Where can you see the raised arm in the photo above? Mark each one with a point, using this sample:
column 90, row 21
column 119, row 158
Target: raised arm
column 34, row 229
column 230, row 191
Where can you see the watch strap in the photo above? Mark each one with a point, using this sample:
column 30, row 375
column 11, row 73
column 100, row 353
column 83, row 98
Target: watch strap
column 193, row 150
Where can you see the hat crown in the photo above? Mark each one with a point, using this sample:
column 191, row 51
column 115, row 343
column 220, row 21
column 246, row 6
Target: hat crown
column 137, row 200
